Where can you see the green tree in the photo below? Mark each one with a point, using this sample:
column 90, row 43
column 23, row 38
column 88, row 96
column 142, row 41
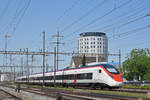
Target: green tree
column 83, row 60
column 137, row 65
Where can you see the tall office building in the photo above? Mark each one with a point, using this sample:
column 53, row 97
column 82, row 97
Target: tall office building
column 93, row 42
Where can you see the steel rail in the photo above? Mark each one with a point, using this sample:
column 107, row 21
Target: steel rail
column 13, row 96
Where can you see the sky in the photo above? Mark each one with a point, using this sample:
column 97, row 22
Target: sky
column 125, row 23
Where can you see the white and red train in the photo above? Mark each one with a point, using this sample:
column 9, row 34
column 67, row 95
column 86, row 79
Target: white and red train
column 98, row 75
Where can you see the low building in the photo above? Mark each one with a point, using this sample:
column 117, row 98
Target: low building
column 7, row 76
column 4, row 77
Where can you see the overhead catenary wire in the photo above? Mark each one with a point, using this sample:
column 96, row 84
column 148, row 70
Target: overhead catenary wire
column 106, row 14
column 19, row 13
column 68, row 9
column 83, row 16
column 133, row 44
column 4, row 12
column 125, row 34
column 120, row 18
column 130, row 32
column 129, row 22
column 22, row 15
column 16, row 15
column 114, row 9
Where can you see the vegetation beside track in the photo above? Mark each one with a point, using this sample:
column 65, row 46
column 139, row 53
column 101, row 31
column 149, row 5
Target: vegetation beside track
column 136, row 87
column 138, row 95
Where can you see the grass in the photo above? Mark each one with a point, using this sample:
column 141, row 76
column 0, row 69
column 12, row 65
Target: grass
column 119, row 93
column 136, row 87
column 138, row 95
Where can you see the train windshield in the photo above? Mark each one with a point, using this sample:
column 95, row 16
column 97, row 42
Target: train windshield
column 111, row 68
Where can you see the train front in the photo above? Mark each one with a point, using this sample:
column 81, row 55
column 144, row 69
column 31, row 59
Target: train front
column 113, row 77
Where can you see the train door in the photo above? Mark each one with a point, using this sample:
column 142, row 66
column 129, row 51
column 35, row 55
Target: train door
column 64, row 84
column 99, row 75
column 75, row 80
column 62, row 78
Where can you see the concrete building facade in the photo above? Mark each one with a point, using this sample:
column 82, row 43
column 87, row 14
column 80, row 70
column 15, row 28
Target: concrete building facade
column 93, row 42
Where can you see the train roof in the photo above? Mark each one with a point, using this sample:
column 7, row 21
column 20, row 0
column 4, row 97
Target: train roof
column 68, row 68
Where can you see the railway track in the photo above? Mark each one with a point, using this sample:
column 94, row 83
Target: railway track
column 119, row 90
column 77, row 95
column 4, row 95
column 58, row 94
column 80, row 95
column 132, row 90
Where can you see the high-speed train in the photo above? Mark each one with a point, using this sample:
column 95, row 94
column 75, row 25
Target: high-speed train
column 97, row 75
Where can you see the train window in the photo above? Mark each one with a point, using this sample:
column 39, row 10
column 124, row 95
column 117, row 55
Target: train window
column 110, row 68
column 84, row 76
column 48, row 77
column 100, row 71
column 89, row 76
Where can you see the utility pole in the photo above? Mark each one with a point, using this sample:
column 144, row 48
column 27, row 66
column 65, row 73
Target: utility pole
column 22, row 66
column 14, row 73
column 14, row 69
column 54, row 66
column 11, row 66
column 43, row 59
column 47, row 60
column 119, row 58
column 32, row 64
column 6, row 36
column 10, row 63
column 27, row 67
column 57, row 47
